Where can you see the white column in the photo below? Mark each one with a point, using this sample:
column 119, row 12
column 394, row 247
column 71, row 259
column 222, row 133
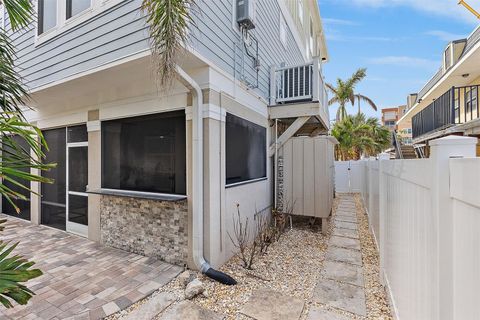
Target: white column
column 94, row 177
column 441, row 151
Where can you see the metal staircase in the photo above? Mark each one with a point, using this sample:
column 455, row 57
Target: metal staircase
column 403, row 151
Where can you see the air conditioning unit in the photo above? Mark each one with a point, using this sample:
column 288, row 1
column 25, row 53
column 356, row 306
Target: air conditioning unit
column 297, row 83
column 246, row 13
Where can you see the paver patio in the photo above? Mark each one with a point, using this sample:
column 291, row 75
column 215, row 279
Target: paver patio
column 82, row 279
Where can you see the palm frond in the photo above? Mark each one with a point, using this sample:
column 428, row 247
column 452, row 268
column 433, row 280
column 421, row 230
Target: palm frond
column 169, row 22
column 367, row 100
column 331, row 88
column 358, row 76
column 20, row 12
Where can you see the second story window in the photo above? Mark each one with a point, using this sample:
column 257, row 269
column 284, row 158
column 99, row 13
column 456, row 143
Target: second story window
column 47, row 15
column 75, row 7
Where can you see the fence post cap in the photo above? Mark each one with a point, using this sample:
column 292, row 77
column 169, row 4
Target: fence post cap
column 454, row 140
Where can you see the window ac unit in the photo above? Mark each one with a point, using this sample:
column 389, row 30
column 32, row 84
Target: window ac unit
column 246, row 13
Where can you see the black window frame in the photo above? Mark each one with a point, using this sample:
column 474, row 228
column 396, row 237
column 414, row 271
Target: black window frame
column 180, row 151
column 40, row 15
column 232, row 121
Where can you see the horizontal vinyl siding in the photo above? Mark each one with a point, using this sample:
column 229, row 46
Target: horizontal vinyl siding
column 121, row 31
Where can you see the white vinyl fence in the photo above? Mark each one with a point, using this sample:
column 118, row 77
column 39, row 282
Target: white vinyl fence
column 349, row 176
column 425, row 216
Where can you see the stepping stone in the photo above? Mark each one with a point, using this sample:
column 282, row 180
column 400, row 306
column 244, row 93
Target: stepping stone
column 352, row 219
column 347, row 243
column 341, row 295
column 345, row 233
column 344, row 255
column 267, row 304
column 346, row 225
column 189, row 310
column 152, row 307
column 343, row 272
column 317, row 313
column 346, row 213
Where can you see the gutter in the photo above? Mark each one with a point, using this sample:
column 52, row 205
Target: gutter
column 197, row 181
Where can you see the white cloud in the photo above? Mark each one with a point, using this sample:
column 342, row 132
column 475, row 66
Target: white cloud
column 339, row 22
column 404, row 61
column 335, row 35
column 444, row 35
column 448, row 8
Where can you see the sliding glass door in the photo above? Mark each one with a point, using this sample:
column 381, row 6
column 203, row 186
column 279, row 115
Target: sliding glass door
column 65, row 202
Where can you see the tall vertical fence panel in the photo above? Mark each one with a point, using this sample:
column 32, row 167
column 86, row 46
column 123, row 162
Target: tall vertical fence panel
column 465, row 191
column 425, row 217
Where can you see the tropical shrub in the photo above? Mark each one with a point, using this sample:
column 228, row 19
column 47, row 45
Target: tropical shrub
column 15, row 160
column 359, row 136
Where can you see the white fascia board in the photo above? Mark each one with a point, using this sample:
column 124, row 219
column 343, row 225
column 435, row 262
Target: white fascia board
column 443, row 79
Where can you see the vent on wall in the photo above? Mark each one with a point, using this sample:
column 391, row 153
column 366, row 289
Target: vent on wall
column 453, row 52
column 411, row 100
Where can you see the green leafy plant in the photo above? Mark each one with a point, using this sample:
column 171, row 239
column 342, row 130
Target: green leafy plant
column 169, row 23
column 344, row 92
column 16, row 160
column 358, row 135
column 13, row 271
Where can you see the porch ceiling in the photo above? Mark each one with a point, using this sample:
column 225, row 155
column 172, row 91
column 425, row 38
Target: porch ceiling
column 121, row 80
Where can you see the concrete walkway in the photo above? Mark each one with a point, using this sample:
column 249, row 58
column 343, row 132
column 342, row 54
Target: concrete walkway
column 82, row 279
column 341, row 285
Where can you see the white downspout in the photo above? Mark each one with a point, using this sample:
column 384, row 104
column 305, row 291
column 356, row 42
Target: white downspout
column 197, row 181
column 197, row 169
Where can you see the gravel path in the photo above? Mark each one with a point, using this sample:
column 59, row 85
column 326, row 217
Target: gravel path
column 295, row 266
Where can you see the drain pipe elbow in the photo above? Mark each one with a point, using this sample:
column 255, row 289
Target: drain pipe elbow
column 197, row 181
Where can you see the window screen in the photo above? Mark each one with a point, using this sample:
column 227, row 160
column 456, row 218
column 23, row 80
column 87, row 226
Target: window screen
column 47, row 15
column 246, row 152
column 145, row 153
column 54, row 195
column 23, row 205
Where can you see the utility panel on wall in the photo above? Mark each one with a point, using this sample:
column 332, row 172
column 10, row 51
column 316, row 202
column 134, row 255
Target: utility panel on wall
column 246, row 14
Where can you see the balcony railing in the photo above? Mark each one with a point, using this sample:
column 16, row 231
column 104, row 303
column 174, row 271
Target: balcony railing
column 456, row 106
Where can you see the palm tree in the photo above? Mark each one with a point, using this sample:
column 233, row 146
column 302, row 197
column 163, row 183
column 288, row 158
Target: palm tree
column 15, row 159
column 359, row 136
column 344, row 93
column 169, row 22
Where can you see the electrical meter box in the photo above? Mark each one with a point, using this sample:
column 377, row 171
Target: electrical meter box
column 246, row 13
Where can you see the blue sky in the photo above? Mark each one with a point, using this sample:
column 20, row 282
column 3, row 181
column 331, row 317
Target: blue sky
column 400, row 42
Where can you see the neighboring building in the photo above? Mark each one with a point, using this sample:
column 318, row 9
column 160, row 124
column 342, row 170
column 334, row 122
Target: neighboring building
column 128, row 154
column 448, row 103
column 390, row 117
column 404, row 129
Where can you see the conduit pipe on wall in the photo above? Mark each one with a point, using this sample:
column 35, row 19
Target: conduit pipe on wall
column 197, row 181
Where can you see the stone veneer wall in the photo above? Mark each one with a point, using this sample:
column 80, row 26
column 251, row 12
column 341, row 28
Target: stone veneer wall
column 151, row 228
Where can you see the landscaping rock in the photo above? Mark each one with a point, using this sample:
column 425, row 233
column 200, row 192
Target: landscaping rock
column 194, row 288
column 185, row 278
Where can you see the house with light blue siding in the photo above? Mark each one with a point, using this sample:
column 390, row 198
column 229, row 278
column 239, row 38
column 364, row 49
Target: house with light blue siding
column 160, row 171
